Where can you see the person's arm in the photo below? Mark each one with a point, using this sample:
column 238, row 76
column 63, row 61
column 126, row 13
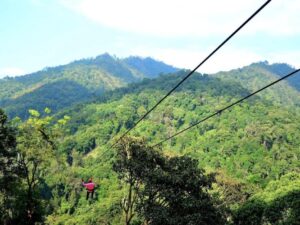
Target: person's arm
column 82, row 182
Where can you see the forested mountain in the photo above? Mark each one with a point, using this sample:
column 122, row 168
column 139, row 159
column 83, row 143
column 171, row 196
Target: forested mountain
column 83, row 79
column 249, row 154
column 248, row 147
column 201, row 95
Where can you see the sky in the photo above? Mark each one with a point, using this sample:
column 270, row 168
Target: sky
column 35, row 34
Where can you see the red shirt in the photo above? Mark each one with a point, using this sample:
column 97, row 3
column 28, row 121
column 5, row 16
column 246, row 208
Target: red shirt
column 89, row 186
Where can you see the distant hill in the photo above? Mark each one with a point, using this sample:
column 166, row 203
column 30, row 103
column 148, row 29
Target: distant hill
column 83, row 79
column 281, row 69
column 79, row 81
column 260, row 74
column 148, row 66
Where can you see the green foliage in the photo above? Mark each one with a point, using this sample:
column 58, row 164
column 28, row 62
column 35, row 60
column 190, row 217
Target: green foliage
column 250, row 142
column 255, row 143
column 36, row 150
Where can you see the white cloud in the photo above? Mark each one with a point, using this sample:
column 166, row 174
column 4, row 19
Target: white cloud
column 10, row 72
column 281, row 18
column 290, row 57
column 203, row 22
column 229, row 58
column 190, row 17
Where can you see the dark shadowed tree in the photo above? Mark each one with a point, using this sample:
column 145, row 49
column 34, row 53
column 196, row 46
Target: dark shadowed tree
column 277, row 204
column 163, row 190
column 284, row 210
column 176, row 192
column 8, row 170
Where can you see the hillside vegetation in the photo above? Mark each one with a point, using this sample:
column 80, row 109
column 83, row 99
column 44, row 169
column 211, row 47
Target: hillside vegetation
column 240, row 167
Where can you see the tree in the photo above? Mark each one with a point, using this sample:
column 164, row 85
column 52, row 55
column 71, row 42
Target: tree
column 175, row 192
column 230, row 193
column 284, row 210
column 250, row 213
column 36, row 147
column 132, row 156
column 277, row 204
column 8, row 169
column 164, row 190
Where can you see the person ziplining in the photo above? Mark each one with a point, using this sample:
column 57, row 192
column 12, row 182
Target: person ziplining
column 90, row 188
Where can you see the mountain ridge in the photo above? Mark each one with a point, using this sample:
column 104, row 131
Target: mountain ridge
column 96, row 75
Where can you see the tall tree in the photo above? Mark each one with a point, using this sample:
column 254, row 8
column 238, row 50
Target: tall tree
column 164, row 190
column 132, row 156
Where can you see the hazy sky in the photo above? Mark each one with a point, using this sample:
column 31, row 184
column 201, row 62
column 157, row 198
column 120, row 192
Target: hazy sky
column 40, row 33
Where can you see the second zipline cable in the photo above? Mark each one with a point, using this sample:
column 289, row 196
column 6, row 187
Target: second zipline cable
column 227, row 107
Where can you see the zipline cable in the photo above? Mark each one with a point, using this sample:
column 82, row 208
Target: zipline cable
column 225, row 108
column 193, row 71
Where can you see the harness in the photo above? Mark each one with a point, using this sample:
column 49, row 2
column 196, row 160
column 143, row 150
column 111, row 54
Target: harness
column 90, row 190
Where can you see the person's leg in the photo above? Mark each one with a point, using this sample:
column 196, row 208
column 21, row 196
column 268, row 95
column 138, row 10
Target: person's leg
column 87, row 195
column 92, row 194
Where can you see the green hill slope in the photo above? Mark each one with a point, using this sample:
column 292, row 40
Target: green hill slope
column 258, row 75
column 282, row 69
column 261, row 118
column 254, row 143
column 56, row 95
